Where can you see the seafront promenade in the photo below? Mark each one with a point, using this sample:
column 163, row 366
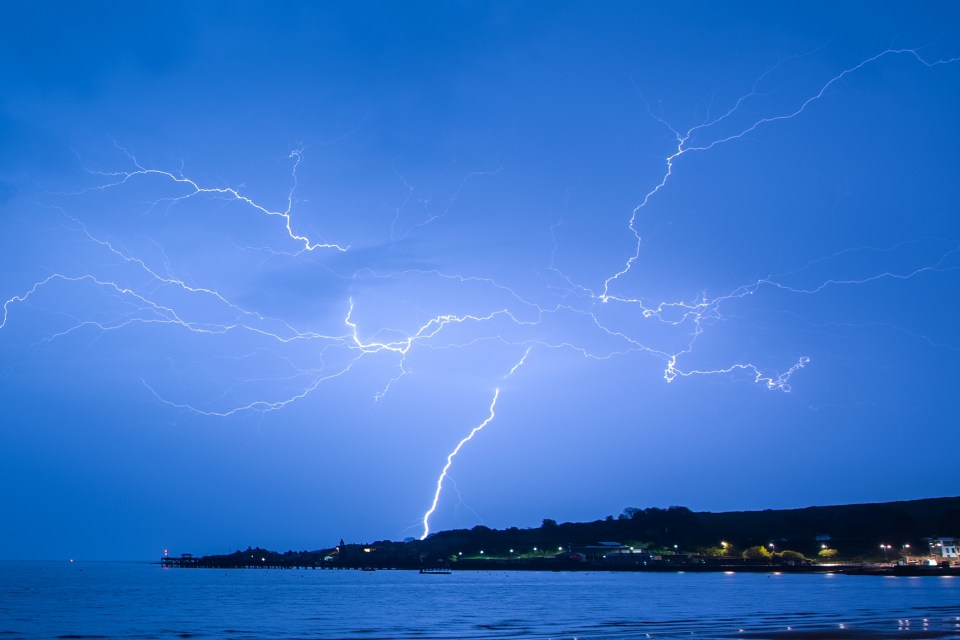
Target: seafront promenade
column 690, row 565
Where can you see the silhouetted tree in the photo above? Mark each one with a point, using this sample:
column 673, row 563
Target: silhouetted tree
column 756, row 553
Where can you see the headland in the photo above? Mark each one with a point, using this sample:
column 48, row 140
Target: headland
column 916, row 537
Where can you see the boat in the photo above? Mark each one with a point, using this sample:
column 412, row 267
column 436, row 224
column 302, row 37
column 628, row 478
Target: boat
column 438, row 572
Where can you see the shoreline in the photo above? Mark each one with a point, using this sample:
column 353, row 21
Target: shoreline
column 861, row 569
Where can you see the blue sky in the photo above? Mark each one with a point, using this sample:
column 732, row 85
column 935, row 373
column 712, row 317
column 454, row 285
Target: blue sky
column 266, row 266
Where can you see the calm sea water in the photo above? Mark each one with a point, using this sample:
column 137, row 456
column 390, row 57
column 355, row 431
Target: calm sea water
column 120, row 600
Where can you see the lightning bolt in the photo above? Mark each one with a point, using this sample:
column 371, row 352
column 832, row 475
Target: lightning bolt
column 683, row 138
column 453, row 454
column 194, row 189
column 704, row 309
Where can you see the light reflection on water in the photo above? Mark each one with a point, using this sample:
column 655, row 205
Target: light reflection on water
column 118, row 600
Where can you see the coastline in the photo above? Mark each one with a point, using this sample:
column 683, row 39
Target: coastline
column 558, row 565
column 905, row 538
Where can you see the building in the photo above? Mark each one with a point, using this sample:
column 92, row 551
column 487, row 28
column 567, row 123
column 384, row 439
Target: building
column 946, row 549
column 601, row 550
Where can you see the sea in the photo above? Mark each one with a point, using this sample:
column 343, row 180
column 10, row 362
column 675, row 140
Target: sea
column 141, row 600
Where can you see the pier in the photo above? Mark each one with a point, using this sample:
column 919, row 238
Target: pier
column 188, row 561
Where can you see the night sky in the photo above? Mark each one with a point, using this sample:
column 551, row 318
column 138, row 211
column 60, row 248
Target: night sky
column 264, row 266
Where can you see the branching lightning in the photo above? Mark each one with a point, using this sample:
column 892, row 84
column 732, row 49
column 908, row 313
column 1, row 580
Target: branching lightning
column 194, row 189
column 682, row 148
column 500, row 314
column 697, row 311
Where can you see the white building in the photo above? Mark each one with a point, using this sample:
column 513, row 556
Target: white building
column 945, row 548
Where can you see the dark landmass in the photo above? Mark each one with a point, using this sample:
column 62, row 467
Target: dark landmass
column 860, row 538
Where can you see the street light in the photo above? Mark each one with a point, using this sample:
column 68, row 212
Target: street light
column 886, row 548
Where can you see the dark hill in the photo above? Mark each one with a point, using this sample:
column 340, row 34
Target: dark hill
column 854, row 532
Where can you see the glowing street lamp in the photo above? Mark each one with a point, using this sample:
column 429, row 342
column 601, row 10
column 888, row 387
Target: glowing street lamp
column 886, row 548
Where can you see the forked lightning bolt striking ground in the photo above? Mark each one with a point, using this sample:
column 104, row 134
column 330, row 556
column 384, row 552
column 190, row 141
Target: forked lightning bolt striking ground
column 493, row 312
